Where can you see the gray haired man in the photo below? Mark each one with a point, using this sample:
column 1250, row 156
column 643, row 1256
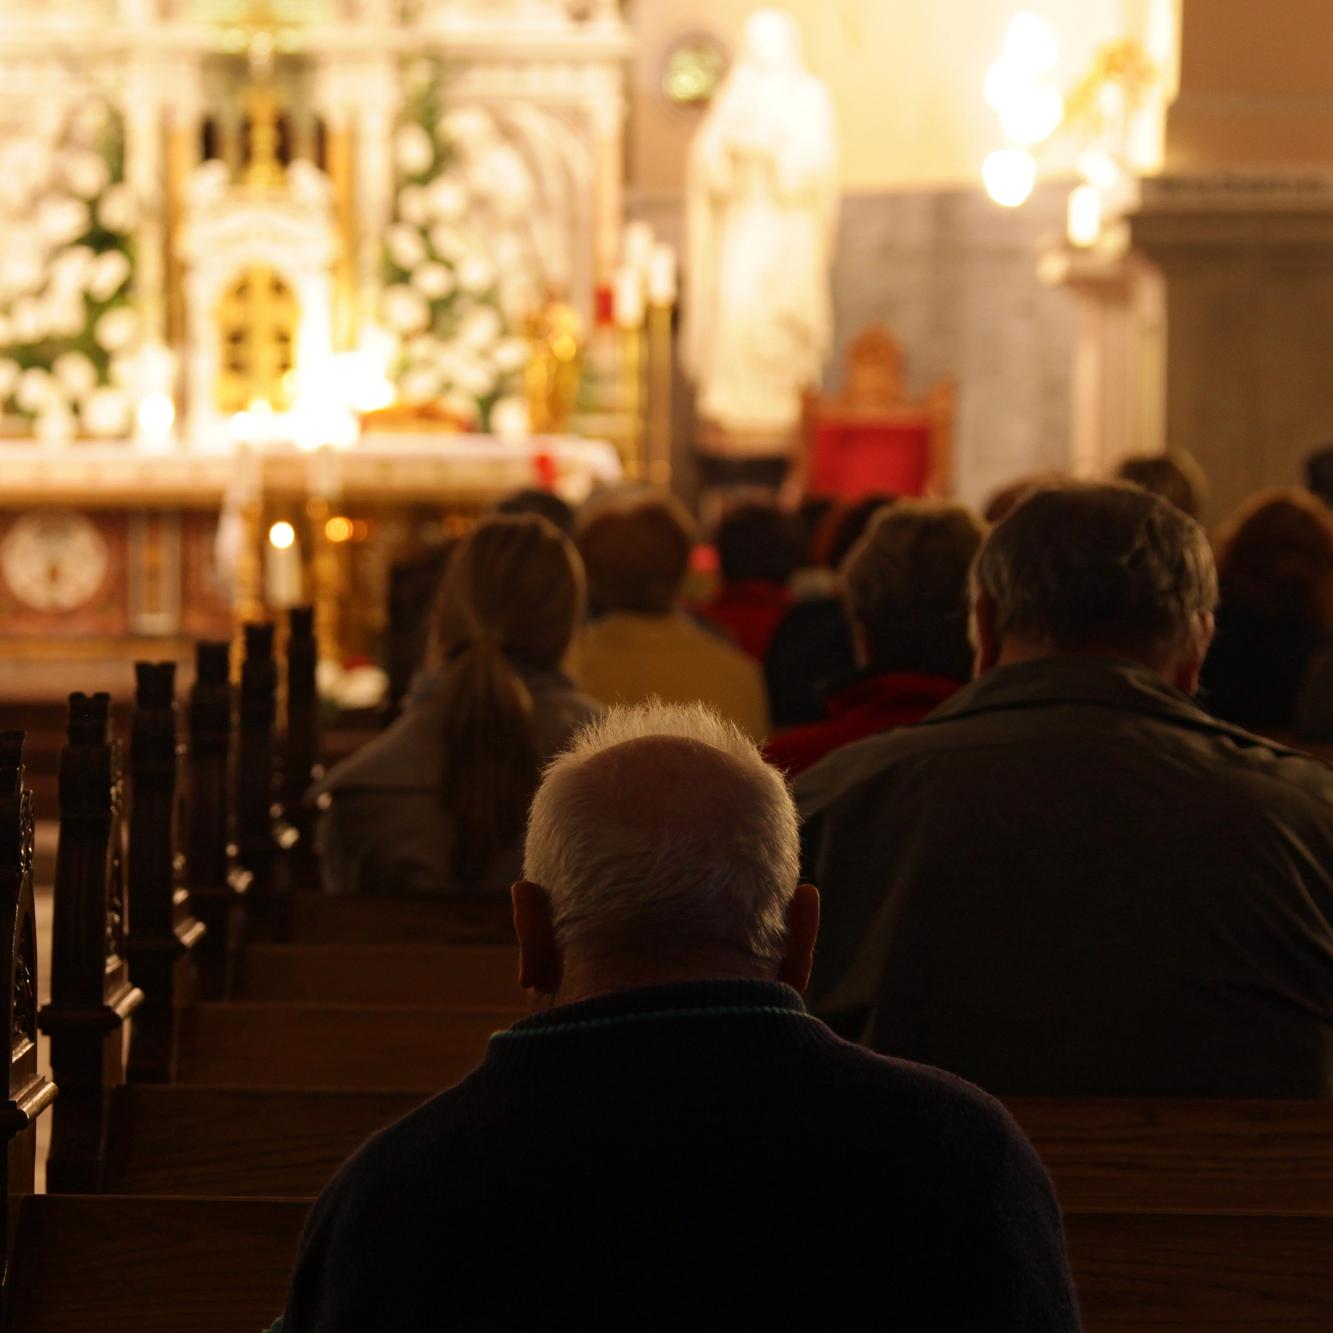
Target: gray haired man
column 1069, row 879
column 672, row 1141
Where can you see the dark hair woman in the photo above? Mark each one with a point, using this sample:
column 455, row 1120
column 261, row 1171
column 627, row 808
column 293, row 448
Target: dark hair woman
column 437, row 803
column 1275, row 567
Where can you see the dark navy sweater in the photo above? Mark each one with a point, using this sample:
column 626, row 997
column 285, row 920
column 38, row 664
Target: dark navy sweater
column 704, row 1155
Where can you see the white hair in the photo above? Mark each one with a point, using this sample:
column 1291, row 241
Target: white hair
column 708, row 853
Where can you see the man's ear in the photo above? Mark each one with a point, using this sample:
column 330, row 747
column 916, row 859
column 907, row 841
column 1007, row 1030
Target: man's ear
column 798, row 954
column 985, row 640
column 1185, row 676
column 538, row 958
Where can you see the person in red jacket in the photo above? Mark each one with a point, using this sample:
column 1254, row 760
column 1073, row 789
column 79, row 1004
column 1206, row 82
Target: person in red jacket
column 758, row 551
column 905, row 584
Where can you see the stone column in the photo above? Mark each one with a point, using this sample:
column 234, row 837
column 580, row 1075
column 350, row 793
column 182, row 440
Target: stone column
column 1118, row 405
column 1241, row 228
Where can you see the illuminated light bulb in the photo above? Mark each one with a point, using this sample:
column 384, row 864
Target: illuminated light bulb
column 281, row 536
column 338, row 529
column 1083, row 222
column 1030, row 44
column 1005, row 83
column 1033, row 115
column 1009, row 175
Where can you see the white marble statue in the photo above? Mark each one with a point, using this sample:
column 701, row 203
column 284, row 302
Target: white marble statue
column 762, row 204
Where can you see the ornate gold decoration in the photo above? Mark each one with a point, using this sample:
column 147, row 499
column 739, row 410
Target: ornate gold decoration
column 551, row 380
column 257, row 321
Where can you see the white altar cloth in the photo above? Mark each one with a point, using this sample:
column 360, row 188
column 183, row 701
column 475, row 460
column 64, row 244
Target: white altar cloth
column 458, row 469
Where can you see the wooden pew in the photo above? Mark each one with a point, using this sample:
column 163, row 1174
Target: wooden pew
column 255, row 1143
column 478, row 975
column 333, row 1046
column 218, row 884
column 1230, row 1272
column 163, row 930
column 152, row 1265
column 259, row 849
column 216, row 1266
column 27, row 1092
column 1246, row 1155
column 300, row 751
column 317, row 918
column 91, row 993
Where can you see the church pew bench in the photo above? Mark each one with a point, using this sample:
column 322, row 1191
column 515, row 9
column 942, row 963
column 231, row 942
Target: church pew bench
column 1247, row 1154
column 1260, row 1157
column 317, row 918
column 253, row 1143
column 481, row 976
column 1216, row 1272
column 142, row 1265
column 333, row 1046
column 159, row 1265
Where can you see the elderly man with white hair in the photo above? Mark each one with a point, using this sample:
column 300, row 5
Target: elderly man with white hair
column 672, row 1141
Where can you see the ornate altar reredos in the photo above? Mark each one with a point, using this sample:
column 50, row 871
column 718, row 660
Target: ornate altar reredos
column 275, row 279
column 228, row 182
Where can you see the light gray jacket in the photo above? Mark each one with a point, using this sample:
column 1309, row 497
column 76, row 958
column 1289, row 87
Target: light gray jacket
column 384, row 829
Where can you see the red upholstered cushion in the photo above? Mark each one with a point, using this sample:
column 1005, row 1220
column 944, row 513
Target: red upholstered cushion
column 851, row 458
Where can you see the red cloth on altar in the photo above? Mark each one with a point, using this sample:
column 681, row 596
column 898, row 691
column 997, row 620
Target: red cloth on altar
column 866, row 707
column 851, row 458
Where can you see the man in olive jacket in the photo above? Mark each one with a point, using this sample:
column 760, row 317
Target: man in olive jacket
column 1070, row 879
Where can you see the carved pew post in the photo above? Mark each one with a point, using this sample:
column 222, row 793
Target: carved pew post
column 162, row 928
column 300, row 751
column 91, row 994
column 257, row 848
column 28, row 1093
column 217, row 885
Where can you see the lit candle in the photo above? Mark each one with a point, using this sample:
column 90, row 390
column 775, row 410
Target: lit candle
column 282, row 566
column 629, row 298
column 638, row 247
column 662, row 275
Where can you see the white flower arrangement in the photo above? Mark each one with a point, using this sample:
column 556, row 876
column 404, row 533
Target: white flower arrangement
column 67, row 330
column 442, row 280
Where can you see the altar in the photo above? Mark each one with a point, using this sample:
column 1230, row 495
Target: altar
column 289, row 290
column 108, row 552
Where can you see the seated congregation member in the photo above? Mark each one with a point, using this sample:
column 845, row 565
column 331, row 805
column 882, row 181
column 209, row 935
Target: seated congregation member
column 812, row 647
column 1174, row 475
column 641, row 643
column 1275, row 569
column 1318, row 469
column 905, row 584
column 676, row 1143
column 436, row 804
column 1070, row 879
column 759, row 548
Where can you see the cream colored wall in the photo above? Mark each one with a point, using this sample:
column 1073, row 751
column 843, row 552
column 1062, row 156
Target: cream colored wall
column 905, row 75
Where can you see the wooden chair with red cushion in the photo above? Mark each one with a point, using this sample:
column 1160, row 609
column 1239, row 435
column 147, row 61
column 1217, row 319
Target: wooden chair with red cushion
column 870, row 436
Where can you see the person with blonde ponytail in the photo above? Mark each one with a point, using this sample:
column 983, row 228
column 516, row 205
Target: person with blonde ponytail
column 438, row 803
